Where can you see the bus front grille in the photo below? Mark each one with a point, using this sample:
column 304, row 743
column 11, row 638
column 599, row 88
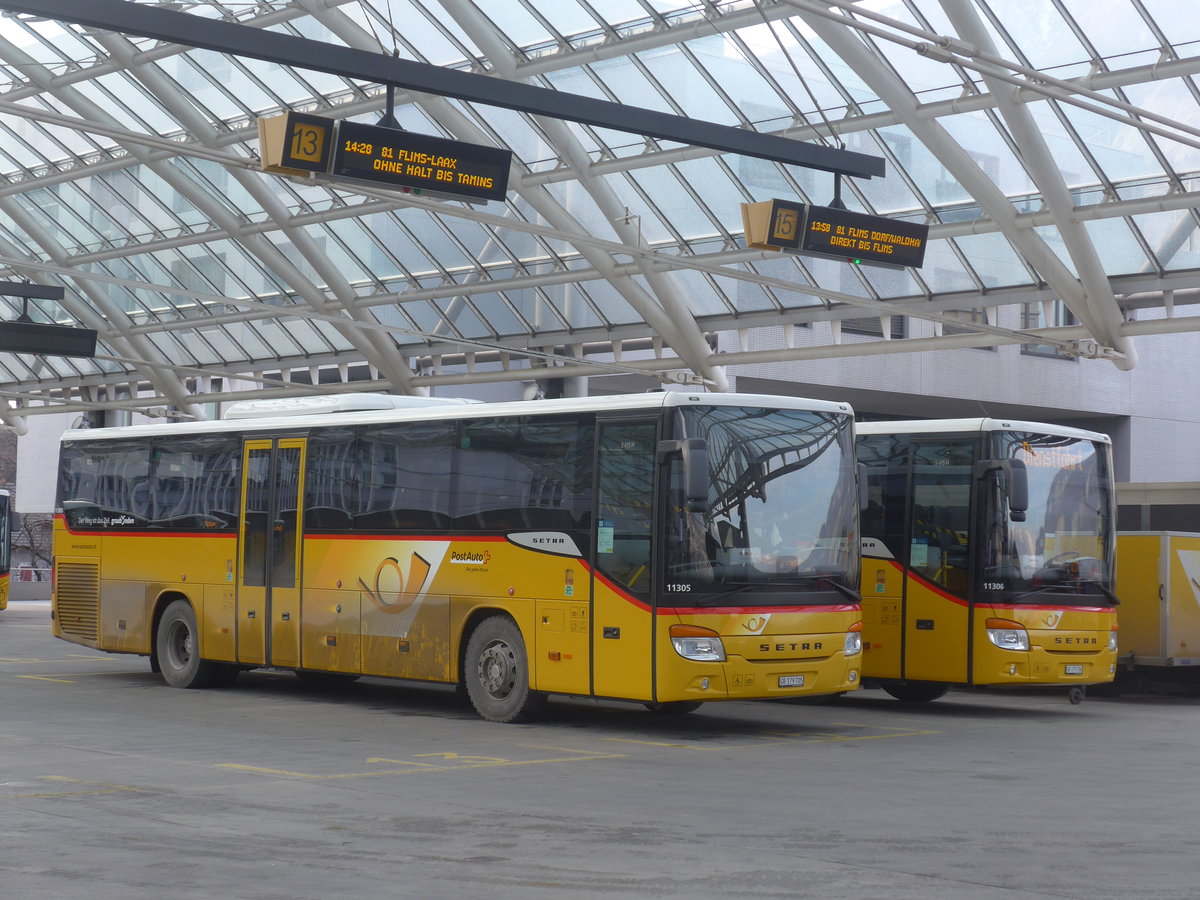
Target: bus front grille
column 77, row 599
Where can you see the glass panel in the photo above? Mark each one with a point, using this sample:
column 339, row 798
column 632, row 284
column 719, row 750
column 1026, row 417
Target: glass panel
column 257, row 517
column 195, row 484
column 941, row 512
column 286, row 522
column 1040, row 32
column 405, row 473
column 884, row 519
column 523, row 473
column 331, row 482
column 782, row 508
column 1063, row 543
column 625, row 504
column 5, row 534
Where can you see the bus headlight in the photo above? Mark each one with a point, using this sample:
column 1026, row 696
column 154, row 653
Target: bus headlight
column 1112, row 640
column 1007, row 635
column 853, row 644
column 700, row 644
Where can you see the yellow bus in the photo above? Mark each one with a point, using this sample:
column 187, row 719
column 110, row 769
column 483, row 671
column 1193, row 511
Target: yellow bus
column 5, row 546
column 669, row 548
column 988, row 551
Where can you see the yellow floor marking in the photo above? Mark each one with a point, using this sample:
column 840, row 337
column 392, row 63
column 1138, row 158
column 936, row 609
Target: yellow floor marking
column 400, row 762
column 657, row 744
column 562, row 749
column 261, row 770
column 468, row 757
column 101, row 788
column 67, row 677
column 92, row 656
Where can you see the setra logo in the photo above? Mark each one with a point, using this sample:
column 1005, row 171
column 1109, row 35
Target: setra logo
column 756, row 624
column 393, row 590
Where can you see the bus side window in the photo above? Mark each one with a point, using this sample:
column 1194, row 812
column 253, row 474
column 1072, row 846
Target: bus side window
column 331, row 483
column 625, row 504
column 886, row 459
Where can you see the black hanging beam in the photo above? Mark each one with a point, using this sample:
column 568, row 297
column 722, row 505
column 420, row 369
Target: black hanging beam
column 26, row 336
column 126, row 17
column 31, row 291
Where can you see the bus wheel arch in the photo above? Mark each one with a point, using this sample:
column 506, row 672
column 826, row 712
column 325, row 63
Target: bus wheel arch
column 495, row 669
column 177, row 645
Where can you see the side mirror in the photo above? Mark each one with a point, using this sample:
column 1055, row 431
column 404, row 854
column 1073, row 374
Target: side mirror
column 694, row 454
column 1016, row 478
column 1018, row 489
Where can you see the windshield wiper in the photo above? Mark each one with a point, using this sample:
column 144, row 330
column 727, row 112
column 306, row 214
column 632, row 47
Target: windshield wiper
column 1106, row 592
column 1041, row 590
column 849, row 593
column 1112, row 598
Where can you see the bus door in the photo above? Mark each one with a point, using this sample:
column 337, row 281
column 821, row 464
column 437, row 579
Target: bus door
column 937, row 613
column 270, row 547
column 622, row 610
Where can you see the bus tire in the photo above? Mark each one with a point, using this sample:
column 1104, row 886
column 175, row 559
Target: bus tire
column 915, row 691
column 674, row 707
column 177, row 647
column 496, row 672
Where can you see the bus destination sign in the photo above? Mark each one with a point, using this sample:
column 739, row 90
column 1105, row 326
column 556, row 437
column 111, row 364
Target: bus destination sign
column 864, row 239
column 420, row 163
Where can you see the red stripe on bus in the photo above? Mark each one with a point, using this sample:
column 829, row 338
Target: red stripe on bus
column 744, row 610
column 232, row 535
column 940, row 591
column 1066, row 607
column 308, row 536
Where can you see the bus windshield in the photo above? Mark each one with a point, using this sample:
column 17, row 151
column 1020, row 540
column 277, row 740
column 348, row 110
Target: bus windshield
column 1062, row 546
column 782, row 516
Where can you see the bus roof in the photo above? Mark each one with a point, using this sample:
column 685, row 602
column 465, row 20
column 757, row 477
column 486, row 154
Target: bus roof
column 966, row 426
column 308, row 414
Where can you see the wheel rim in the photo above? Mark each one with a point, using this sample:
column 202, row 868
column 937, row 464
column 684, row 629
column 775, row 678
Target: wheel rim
column 498, row 669
column 179, row 645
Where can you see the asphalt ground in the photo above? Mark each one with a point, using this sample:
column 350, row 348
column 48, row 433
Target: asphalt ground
column 114, row 786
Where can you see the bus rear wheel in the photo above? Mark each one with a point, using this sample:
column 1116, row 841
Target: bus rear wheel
column 496, row 672
column 177, row 647
column 915, row 691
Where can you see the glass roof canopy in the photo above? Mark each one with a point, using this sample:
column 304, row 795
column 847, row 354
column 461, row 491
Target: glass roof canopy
column 1052, row 146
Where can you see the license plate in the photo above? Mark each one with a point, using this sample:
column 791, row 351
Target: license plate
column 1074, row 670
column 791, row 681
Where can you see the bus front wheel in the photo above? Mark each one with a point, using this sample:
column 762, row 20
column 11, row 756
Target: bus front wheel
column 177, row 647
column 496, row 672
column 915, row 691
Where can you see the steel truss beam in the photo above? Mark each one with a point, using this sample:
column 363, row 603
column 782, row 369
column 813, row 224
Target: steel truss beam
column 288, row 50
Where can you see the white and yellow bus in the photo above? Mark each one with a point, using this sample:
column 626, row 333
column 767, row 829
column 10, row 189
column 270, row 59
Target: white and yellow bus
column 988, row 551
column 668, row 548
column 5, row 546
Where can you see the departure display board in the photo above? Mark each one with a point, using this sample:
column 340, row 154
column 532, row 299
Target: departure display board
column 389, row 156
column 863, row 239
